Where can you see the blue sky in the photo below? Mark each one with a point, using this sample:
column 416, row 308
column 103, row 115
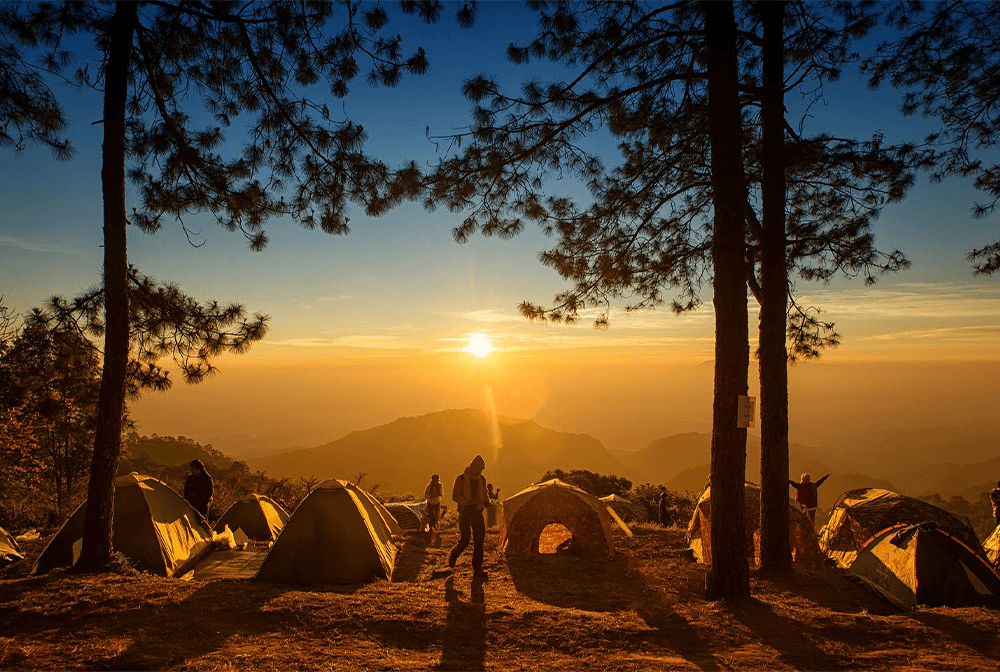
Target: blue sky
column 400, row 282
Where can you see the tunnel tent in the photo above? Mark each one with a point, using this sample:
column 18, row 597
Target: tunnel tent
column 10, row 552
column 529, row 512
column 861, row 513
column 801, row 533
column 259, row 517
column 334, row 536
column 925, row 564
column 409, row 515
column 154, row 528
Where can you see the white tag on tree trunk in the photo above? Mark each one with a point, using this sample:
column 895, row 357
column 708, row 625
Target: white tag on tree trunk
column 745, row 414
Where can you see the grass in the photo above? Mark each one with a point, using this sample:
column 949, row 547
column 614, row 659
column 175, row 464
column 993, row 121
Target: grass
column 642, row 609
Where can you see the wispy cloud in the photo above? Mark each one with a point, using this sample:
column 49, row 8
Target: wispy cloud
column 32, row 246
column 373, row 341
column 912, row 300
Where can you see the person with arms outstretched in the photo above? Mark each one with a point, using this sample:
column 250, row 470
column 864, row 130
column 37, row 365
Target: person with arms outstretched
column 807, row 495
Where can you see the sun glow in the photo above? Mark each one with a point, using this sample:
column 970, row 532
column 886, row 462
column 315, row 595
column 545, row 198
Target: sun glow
column 479, row 345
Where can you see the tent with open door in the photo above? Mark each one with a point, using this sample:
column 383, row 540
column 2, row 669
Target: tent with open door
column 258, row 516
column 925, row 564
column 529, row 512
column 801, row 534
column 154, row 528
column 859, row 514
column 335, row 535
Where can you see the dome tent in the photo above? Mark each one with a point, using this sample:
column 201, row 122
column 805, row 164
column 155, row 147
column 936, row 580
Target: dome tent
column 924, row 564
column 154, row 528
column 805, row 551
column 10, row 552
column 861, row 513
column 529, row 512
column 335, row 535
column 258, row 516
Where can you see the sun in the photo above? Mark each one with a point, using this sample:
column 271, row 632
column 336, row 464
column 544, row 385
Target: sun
column 479, row 346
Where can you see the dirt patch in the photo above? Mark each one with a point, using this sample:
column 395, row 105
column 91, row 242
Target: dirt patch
column 642, row 609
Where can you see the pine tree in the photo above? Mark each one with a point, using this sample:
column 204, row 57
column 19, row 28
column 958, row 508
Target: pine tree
column 649, row 229
column 946, row 61
column 250, row 64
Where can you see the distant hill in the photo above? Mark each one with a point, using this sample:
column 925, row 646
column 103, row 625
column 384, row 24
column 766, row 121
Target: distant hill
column 665, row 459
column 174, row 451
column 401, row 456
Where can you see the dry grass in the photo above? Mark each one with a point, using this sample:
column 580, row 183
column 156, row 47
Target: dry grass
column 642, row 609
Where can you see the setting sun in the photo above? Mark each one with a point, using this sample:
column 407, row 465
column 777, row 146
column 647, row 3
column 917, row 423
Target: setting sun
column 479, row 346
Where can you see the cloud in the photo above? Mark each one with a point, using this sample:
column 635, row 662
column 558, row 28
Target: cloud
column 372, row 341
column 31, row 246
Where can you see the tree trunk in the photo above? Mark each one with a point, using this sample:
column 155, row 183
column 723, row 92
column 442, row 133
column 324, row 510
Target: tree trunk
column 775, row 547
column 729, row 577
column 96, row 552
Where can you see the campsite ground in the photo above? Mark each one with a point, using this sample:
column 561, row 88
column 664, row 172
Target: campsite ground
column 643, row 609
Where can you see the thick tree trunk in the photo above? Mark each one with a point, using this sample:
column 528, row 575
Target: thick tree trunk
column 96, row 552
column 775, row 547
column 729, row 577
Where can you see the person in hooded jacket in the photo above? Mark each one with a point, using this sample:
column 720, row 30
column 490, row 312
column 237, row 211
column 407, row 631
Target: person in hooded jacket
column 471, row 496
column 199, row 488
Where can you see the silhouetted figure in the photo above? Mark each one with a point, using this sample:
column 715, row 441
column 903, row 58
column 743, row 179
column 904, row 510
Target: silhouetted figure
column 433, row 494
column 663, row 508
column 807, row 495
column 995, row 501
column 471, row 495
column 199, row 488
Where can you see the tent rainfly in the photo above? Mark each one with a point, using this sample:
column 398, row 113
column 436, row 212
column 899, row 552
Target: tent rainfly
column 10, row 552
column 861, row 513
column 335, row 535
column 529, row 512
column 924, row 564
column 992, row 547
column 626, row 509
column 805, row 551
column 258, row 516
column 154, row 528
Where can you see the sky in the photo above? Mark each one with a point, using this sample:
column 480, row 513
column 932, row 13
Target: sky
column 374, row 325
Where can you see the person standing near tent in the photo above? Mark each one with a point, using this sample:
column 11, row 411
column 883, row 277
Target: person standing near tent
column 199, row 488
column 807, row 495
column 433, row 494
column 471, row 496
column 995, row 502
column 663, row 508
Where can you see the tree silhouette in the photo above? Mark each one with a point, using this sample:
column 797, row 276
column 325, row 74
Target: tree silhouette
column 648, row 229
column 947, row 63
column 250, row 65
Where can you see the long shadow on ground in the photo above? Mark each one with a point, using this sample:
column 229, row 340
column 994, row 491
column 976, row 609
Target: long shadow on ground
column 463, row 645
column 573, row 581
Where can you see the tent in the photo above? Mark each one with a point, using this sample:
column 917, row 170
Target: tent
column 409, row 515
column 335, row 535
column 258, row 516
column 529, row 512
column 860, row 513
column 154, row 528
column 801, row 534
column 924, row 564
column 626, row 509
column 10, row 552
column 374, row 508
column 992, row 547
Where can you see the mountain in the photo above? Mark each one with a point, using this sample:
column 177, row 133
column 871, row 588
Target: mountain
column 401, row 456
column 668, row 458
